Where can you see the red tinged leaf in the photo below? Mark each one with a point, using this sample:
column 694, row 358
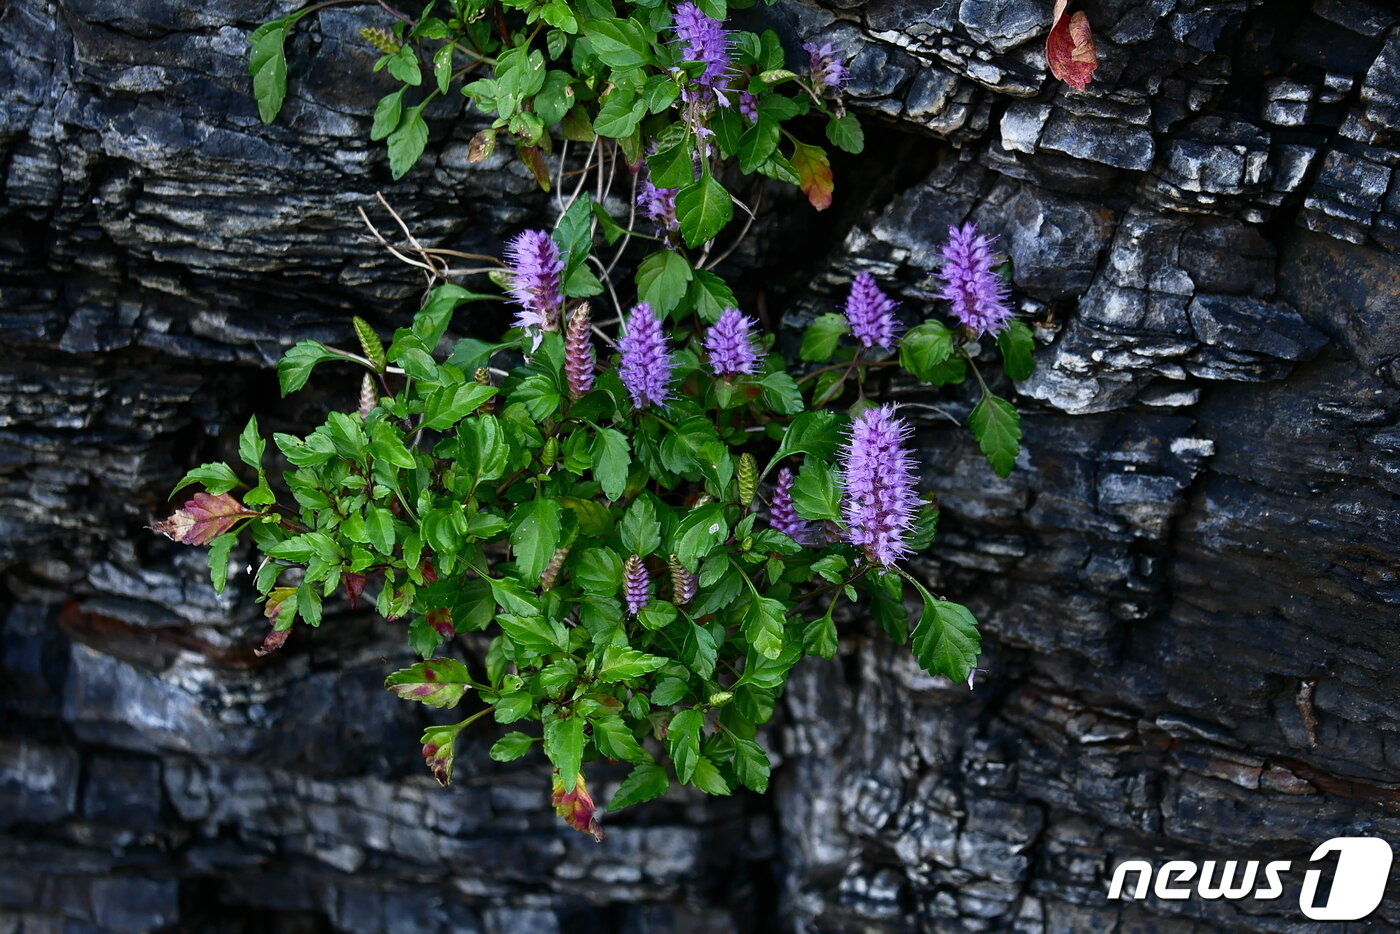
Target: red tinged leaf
column 814, row 170
column 441, row 621
column 203, row 519
column 354, row 587
column 576, row 807
column 276, row 638
column 1069, row 49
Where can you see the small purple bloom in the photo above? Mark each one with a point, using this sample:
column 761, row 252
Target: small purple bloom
column 705, row 40
column 826, row 63
column 871, row 313
column 781, row 514
column 880, row 504
column 729, row 342
column 748, row 106
column 636, row 586
column 579, row 362
column 534, row 264
column 978, row 295
column 658, row 205
column 646, row 361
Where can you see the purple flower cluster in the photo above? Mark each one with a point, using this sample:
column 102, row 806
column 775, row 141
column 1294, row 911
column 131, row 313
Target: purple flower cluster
column 880, row 503
column 579, row 362
column 871, row 313
column 730, row 344
column 978, row 295
column 646, row 361
column 636, row 584
column 704, row 40
column 781, row 514
column 658, row 205
column 534, row 265
column 748, row 106
column 826, row 64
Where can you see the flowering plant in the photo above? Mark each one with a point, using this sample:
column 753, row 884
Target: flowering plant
column 650, row 519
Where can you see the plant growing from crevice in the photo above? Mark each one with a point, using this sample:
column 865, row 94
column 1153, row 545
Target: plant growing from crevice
column 653, row 516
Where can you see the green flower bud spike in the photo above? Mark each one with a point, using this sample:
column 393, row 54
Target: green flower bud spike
column 748, row 479
column 371, row 344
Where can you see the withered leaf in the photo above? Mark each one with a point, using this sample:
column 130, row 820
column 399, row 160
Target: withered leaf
column 1069, row 48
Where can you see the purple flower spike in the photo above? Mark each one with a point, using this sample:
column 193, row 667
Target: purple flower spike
column 826, row 63
column 658, row 205
column 704, row 40
column 534, row 265
column 880, row 503
column 871, row 313
column 646, row 361
column 978, row 295
column 636, row 586
column 748, row 106
column 729, row 342
column 781, row 514
column 579, row 362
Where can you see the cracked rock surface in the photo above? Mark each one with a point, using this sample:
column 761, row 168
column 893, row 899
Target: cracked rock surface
column 1189, row 589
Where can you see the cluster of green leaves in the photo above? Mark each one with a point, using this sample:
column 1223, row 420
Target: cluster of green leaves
column 512, row 509
column 580, row 70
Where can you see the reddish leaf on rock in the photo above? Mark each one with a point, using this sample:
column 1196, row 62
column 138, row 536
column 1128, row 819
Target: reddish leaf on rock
column 814, row 170
column 576, row 807
column 1069, row 49
column 203, row 519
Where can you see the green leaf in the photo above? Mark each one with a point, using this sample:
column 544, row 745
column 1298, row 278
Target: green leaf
column 534, row 633
column 946, row 641
column 816, row 433
column 763, row 626
column 641, row 533
column 379, row 523
column 757, row 144
column 683, row 741
column 513, row 706
column 407, row 142
column 820, row 638
column 781, row 394
column 751, row 764
column 267, row 64
column 563, row 744
column 615, row 741
column 710, row 295
column 815, row 493
column 997, row 428
column 437, row 682
column 219, row 550
column 1017, row 348
column 448, row 405
column 924, row 348
column 623, row 664
column 620, row 114
column 643, row 783
column 670, row 691
column 702, row 210
column 403, row 65
column 511, row 747
column 701, row 530
column 845, row 133
column 387, row 114
column 216, row 478
column 599, row 571
column 536, row 536
column 820, row 339
column 251, row 445
column 611, row 461
column 296, row 364
column 672, row 167
column 423, row 638
column 618, row 43
column 442, row 68
column 707, row 778
column 661, row 280
column 658, row 614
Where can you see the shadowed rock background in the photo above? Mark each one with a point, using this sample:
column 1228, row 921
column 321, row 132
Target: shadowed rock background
column 1189, row 588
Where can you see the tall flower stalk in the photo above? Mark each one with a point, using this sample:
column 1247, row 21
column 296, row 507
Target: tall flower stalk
column 534, row 264
column 978, row 296
column 646, row 360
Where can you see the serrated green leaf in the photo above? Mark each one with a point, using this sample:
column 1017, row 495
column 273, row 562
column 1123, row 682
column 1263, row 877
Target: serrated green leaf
column 763, row 626
column 997, row 428
column 511, row 746
column 296, row 364
column 924, row 348
column 614, row 740
column 641, row 533
column 683, row 741
column 216, row 478
column 407, row 141
column 536, row 536
column 267, row 64
column 611, row 460
column 563, row 744
column 219, row 550
column 702, row 210
column 387, row 114
column 815, row 493
column 661, row 280
column 946, row 641
column 643, row 783
column 820, row 339
column 845, row 133
column 751, row 764
column 1017, row 345
column 437, row 682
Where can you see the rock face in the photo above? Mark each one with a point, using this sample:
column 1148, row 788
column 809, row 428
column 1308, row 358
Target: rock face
column 1189, row 588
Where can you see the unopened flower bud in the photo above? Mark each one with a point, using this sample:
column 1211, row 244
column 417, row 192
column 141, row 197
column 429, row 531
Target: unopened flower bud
column 483, row 378
column 381, row 38
column 369, row 396
column 551, row 570
column 720, row 698
column 370, row 343
column 549, row 453
column 682, row 582
column 578, row 352
column 748, row 479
